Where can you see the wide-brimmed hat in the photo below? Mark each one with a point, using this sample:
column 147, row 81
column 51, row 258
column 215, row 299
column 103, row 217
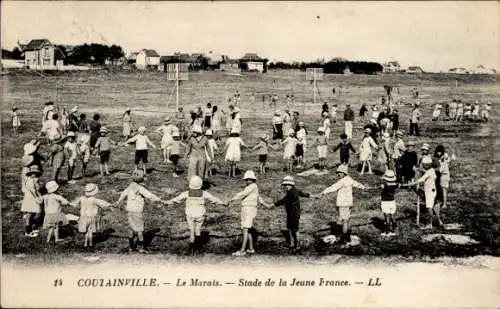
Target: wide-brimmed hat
column 386, row 135
column 249, row 175
column 167, row 120
column 410, row 143
column 51, row 186
column 235, row 131
column 291, row 131
column 301, row 123
column 264, row 137
column 236, row 109
column 425, row 147
column 71, row 134
column 195, row 183
column 91, row 189
column 29, row 148
column 35, row 169
column 49, row 103
column 128, row 109
column 208, row 132
column 141, row 129
column 27, row 160
column 343, row 169
column 389, row 176
column 321, row 129
column 74, row 109
column 277, row 113
column 399, row 133
column 138, row 176
column 374, row 121
column 288, row 181
column 368, row 130
column 197, row 129
column 50, row 107
column 426, row 160
column 103, row 130
column 325, row 114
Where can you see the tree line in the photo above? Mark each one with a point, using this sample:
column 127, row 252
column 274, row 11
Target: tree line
column 331, row 67
column 91, row 53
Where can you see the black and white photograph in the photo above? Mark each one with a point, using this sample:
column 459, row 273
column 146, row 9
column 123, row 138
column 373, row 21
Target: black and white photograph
column 253, row 154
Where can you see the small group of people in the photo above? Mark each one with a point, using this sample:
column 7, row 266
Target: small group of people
column 459, row 111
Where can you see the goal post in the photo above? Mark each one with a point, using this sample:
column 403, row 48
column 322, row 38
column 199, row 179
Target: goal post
column 314, row 74
column 177, row 72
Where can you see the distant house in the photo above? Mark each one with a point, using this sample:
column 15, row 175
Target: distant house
column 414, row 70
column 229, row 65
column 481, row 69
column 392, row 67
column 147, row 59
column 214, row 60
column 458, row 71
column 251, row 62
column 41, row 54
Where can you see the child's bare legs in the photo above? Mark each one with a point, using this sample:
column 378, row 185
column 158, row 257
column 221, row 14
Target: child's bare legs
column 386, row 223
column 230, row 168
column 233, row 167
column 431, row 217
column 106, row 168
column 101, row 169
column 56, row 233
column 49, row 234
column 246, row 240
column 368, row 162
column 140, row 236
column 164, row 154
column 445, row 198
column 363, row 168
column 144, row 168
column 131, row 240
column 294, row 240
column 290, row 166
column 437, row 211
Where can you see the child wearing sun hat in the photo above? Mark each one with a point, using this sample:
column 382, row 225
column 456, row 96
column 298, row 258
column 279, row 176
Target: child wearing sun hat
column 135, row 194
column 233, row 151
column 54, row 215
column 175, row 151
column 32, row 200
column 262, row 149
column 365, row 151
column 300, row 151
column 277, row 126
column 103, row 149
column 289, row 146
column 71, row 152
column 212, row 150
column 344, row 188
column 16, row 121
column 321, row 143
column 141, row 141
column 249, row 198
column 89, row 210
column 167, row 129
column 292, row 207
column 388, row 203
column 195, row 208
column 84, row 152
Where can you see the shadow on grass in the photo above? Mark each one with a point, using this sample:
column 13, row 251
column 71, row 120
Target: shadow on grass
column 103, row 235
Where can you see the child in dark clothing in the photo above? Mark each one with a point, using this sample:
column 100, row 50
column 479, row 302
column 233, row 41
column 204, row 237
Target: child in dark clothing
column 344, row 146
column 292, row 207
column 388, row 203
column 363, row 110
column 394, row 117
column 408, row 163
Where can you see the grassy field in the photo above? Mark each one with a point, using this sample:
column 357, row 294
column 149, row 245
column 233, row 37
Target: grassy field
column 474, row 195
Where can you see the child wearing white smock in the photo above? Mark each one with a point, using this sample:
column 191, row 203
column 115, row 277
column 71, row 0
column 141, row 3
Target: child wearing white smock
column 233, row 151
column 166, row 130
column 365, row 151
column 289, row 146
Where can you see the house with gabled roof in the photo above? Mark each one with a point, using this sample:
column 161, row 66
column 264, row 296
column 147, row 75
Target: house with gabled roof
column 251, row 62
column 147, row 59
column 41, row 54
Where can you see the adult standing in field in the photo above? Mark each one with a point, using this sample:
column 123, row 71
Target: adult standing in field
column 74, row 122
column 127, row 124
column 414, row 120
column 325, row 123
column 277, row 126
column 57, row 156
column 95, row 128
column 348, row 119
column 287, row 125
column 197, row 151
column 229, row 119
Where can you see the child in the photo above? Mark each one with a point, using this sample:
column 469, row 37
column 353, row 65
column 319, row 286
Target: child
column 89, row 208
column 467, row 111
column 196, row 150
column 127, row 124
column 384, row 153
column 289, row 144
column 166, row 129
column 233, row 151
column 363, row 110
column 54, row 216
column 345, row 147
column 430, row 190
column 141, row 148
column 333, row 113
column 300, row 151
column 31, row 204
column 388, row 204
column 135, row 194
column 103, row 149
column 460, row 111
column 262, row 149
column 84, row 153
column 344, row 199
column 444, row 172
column 65, row 119
column 217, row 118
column 31, row 149
column 475, row 111
column 249, row 198
column 292, row 208
column 286, row 119
column 397, row 151
column 436, row 112
column 322, row 146
column 195, row 208
column 277, row 126
column 485, row 113
column 175, row 151
column 408, row 163
column 365, row 151
column 208, row 116
column 326, row 124
column 213, row 149
column 71, row 152
column 16, row 122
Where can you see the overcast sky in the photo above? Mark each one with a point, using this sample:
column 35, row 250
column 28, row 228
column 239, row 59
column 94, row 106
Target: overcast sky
column 434, row 35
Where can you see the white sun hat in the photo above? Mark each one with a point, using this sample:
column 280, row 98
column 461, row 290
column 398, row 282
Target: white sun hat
column 91, row 189
column 249, row 175
column 195, row 183
column 197, row 129
column 29, row 148
column 342, row 169
column 288, row 180
column 426, row 160
column 389, row 176
column 51, row 186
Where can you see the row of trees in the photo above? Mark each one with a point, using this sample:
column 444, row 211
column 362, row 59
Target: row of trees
column 91, row 53
column 331, row 67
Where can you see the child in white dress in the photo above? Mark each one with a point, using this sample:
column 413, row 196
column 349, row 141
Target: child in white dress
column 365, row 151
column 290, row 145
column 300, row 152
column 71, row 152
column 233, row 151
column 262, row 149
column 54, row 215
column 166, row 130
column 16, row 122
column 213, row 149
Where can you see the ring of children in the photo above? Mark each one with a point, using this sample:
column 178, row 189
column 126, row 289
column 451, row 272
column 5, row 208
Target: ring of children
column 260, row 175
